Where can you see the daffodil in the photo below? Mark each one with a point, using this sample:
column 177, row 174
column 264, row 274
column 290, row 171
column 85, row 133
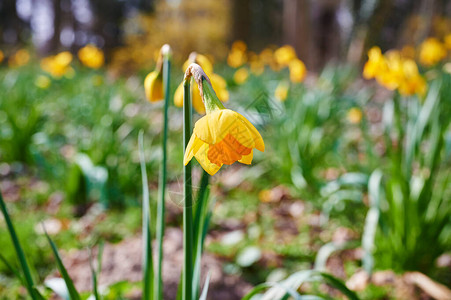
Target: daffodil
column 375, row 65
column 298, row 70
column 237, row 55
column 91, row 56
column 2, row 56
column 153, row 83
column 241, row 75
column 284, row 55
column 222, row 136
column 20, row 58
column 153, row 86
column 219, row 84
column 432, row 52
column 447, row 41
column 281, row 91
column 58, row 65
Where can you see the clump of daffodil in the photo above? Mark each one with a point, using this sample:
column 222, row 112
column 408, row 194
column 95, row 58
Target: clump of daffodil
column 222, row 136
column 91, row 56
column 20, row 58
column 432, row 51
column 393, row 71
column 42, row 82
column 237, row 55
column 241, row 75
column 219, row 84
column 284, row 55
column 354, row 115
column 281, row 91
column 58, row 65
column 298, row 71
column 153, row 83
column 2, row 56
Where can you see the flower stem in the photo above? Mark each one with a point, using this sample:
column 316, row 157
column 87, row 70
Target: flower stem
column 188, row 207
column 162, row 184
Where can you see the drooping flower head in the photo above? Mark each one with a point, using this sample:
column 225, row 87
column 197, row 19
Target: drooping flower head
column 222, row 136
column 219, row 84
column 153, row 83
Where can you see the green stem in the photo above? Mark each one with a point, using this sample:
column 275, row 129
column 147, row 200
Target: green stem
column 162, row 185
column 188, row 206
column 18, row 248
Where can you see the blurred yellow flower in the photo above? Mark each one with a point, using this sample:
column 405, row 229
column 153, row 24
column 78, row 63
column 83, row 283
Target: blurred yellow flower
column 239, row 45
column 284, row 55
column 236, row 58
column 354, row 115
column 412, row 82
column 58, row 65
column 297, row 70
column 42, row 82
column 222, row 137
column 241, row 75
column 153, row 86
column 91, row 56
column 2, row 56
column 432, row 52
column 375, row 65
column 281, row 91
column 20, row 58
column 393, row 71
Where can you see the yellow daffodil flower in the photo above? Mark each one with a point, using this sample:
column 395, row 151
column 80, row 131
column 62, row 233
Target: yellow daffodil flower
column 297, row 70
column 91, row 56
column 219, row 84
column 58, row 65
column 394, row 71
column 2, row 56
column 241, row 75
column 375, row 65
column 284, row 55
column 281, row 91
column 237, row 55
column 432, row 52
column 153, row 86
column 354, row 115
column 222, row 136
column 20, row 58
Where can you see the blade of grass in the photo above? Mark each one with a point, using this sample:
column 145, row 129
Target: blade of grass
column 148, row 271
column 95, row 273
column 12, row 269
column 69, row 283
column 19, row 252
column 162, row 183
column 187, row 207
column 203, row 296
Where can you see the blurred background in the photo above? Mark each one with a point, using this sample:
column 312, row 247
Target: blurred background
column 319, row 31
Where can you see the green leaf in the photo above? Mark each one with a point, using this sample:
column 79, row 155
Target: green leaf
column 68, row 281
